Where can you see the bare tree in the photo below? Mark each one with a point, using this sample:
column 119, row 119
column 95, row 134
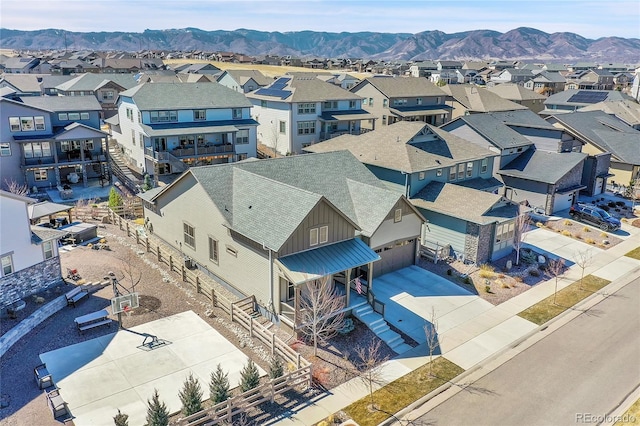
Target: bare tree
column 520, row 227
column 583, row 259
column 369, row 366
column 556, row 270
column 431, row 333
column 15, row 188
column 320, row 311
column 276, row 137
column 128, row 270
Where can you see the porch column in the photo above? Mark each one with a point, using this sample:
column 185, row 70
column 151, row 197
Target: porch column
column 296, row 306
column 370, row 277
column 347, row 285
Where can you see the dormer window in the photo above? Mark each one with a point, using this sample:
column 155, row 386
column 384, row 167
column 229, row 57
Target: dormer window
column 237, row 113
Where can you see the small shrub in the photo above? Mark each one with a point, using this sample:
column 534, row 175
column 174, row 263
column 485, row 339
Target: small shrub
column 518, row 279
column 567, row 222
column 501, row 276
column 528, row 257
column 586, row 229
column 487, row 271
column 590, row 241
column 625, row 220
column 603, row 234
column 121, row 419
column 503, row 284
column 157, row 411
column 449, row 272
column 468, row 280
column 191, row 396
column 219, row 386
column 347, row 326
column 620, row 204
column 534, row 272
column 249, row 376
column 566, row 233
column 487, row 288
column 540, row 224
column 611, row 204
column 276, row 367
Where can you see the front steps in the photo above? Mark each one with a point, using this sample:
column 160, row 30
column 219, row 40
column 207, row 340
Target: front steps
column 380, row 327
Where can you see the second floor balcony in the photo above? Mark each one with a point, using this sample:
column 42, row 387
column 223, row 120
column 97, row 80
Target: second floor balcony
column 190, row 150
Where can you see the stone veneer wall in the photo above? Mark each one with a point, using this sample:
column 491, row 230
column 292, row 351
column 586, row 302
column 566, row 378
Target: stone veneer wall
column 471, row 242
column 30, row 281
column 478, row 242
column 485, row 243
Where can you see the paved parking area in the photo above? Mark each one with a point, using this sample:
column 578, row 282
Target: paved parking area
column 99, row 376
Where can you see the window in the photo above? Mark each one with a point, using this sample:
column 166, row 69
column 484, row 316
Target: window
column 263, row 103
column 237, row 113
column 483, row 167
column 469, row 169
column 40, row 175
column 504, row 235
column 37, row 150
column 242, row 137
column 384, row 120
column 84, row 116
column 307, row 108
column 460, row 171
column 7, row 264
column 352, row 104
column 232, row 251
column 370, row 101
column 330, row 105
column 47, row 249
column 365, row 101
column 439, row 172
column 306, row 127
column 39, row 122
column 452, row 173
column 199, row 115
column 14, row 124
column 324, row 234
column 419, row 101
column 27, row 125
column 74, row 116
column 282, row 125
column 242, row 156
column 397, row 216
column 130, row 114
column 288, row 289
column 162, row 116
column 139, row 116
column 133, row 137
column 189, row 235
column 421, row 176
column 385, row 103
column 63, row 116
column 5, row 149
column 313, row 237
column 108, row 95
column 399, row 102
column 213, row 250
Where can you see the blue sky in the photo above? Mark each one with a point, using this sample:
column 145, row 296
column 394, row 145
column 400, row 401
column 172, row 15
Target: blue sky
column 592, row 19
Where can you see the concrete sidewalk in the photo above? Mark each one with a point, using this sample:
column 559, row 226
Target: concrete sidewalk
column 480, row 337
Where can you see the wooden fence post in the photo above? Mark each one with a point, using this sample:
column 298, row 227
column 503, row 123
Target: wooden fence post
column 197, row 284
column 213, row 298
column 250, row 326
column 120, row 222
column 184, row 274
column 298, row 360
column 171, row 263
column 128, row 229
column 273, row 343
column 231, row 310
column 137, row 237
column 146, row 243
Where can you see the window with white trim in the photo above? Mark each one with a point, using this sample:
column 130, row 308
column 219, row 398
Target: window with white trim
column 189, row 235
column 39, row 120
column 7, row 264
column 74, row 116
column 313, row 237
column 162, row 116
column 397, row 215
column 232, row 251
column 47, row 250
column 452, row 173
column 199, row 115
column 418, row 101
column 14, row 124
column 27, row 124
column 385, row 103
column 439, row 172
column 306, row 127
column 237, row 113
column 469, row 169
column 330, row 105
column 282, row 126
column 37, row 150
column 421, row 176
column 307, row 108
column 399, row 102
column 324, row 234
column 484, row 165
column 460, row 171
column 40, row 175
column 213, row 250
column 352, row 104
column 5, row 149
column 263, row 103
column 63, row 116
column 108, row 95
column 84, row 116
column 242, row 137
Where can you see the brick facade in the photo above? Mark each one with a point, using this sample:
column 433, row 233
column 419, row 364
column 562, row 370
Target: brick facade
column 30, row 281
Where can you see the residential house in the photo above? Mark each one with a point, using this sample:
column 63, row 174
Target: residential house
column 71, row 66
column 582, row 66
column 295, row 112
column 344, row 80
column 448, row 65
column 603, row 133
column 19, row 65
column 266, row 227
column 163, row 128
column 22, row 84
column 127, row 65
column 199, row 68
column 243, row 81
column 518, row 94
column 53, row 141
column 512, row 75
column 105, row 88
column 446, row 177
column 29, row 256
column 500, row 65
column 625, row 110
column 49, row 84
column 595, row 79
column 423, row 69
column 469, row 99
column 551, row 67
column 446, row 76
column 392, row 99
column 573, row 99
column 546, row 83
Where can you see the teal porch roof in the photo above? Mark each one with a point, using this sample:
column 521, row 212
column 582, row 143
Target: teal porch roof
column 325, row 260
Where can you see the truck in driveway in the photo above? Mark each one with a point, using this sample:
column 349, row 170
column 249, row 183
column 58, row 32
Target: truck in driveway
column 594, row 216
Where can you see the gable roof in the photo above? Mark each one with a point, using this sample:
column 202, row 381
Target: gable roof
column 302, row 89
column 406, row 146
column 542, row 166
column 625, row 110
column 63, row 103
column 242, row 76
column 26, row 83
column 564, row 97
column 515, row 92
column 93, row 82
column 160, row 96
column 394, row 87
column 494, row 130
column 478, row 207
column 604, row 131
column 476, row 99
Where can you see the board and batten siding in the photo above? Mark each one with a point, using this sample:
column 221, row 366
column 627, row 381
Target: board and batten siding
column 390, row 231
column 322, row 214
column 186, row 201
column 443, row 230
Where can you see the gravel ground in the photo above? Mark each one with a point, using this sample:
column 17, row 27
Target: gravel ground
column 162, row 294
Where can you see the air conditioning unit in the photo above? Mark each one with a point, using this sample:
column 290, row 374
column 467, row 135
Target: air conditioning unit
column 189, row 263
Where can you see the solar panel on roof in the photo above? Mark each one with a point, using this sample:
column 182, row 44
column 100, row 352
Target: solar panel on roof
column 588, row 97
column 282, row 94
column 280, row 83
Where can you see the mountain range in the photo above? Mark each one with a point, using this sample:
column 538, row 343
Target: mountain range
column 520, row 43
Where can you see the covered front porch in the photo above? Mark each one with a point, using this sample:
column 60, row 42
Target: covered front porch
column 337, row 123
column 347, row 265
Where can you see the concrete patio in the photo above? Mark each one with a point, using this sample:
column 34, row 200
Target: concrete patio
column 99, row 376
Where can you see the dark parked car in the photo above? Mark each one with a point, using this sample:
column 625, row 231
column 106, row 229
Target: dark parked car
column 595, row 216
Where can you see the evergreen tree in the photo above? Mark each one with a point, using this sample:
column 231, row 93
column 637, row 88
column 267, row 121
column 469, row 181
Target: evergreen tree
column 115, row 199
column 147, row 185
column 191, row 396
column 276, row 368
column 219, row 386
column 249, row 377
column 157, row 412
column 121, row 419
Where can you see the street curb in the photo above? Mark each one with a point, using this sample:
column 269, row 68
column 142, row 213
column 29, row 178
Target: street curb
column 556, row 322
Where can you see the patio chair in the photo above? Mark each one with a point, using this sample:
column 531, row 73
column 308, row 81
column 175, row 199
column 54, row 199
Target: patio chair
column 56, row 404
column 42, row 376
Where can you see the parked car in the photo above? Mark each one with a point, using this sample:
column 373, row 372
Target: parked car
column 595, row 216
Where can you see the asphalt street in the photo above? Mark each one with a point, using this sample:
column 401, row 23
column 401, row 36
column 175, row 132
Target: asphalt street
column 575, row 375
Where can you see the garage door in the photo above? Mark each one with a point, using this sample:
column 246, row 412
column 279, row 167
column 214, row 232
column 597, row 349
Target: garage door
column 562, row 202
column 394, row 257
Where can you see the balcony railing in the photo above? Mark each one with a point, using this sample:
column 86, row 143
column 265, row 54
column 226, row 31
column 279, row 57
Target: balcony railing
column 66, row 157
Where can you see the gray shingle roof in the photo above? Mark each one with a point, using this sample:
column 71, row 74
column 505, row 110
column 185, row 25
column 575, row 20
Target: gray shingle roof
column 606, row 132
column 476, row 99
column 626, row 110
column 161, row 96
column 515, row 92
column 562, row 98
column 542, row 166
column 40, row 234
column 308, row 89
column 407, row 146
column 522, row 118
column 63, row 103
column 241, row 76
column 393, row 87
column 495, row 131
column 478, row 206
column 91, row 81
column 23, row 82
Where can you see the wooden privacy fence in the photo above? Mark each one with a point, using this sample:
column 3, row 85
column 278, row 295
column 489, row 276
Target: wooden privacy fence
column 299, row 369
